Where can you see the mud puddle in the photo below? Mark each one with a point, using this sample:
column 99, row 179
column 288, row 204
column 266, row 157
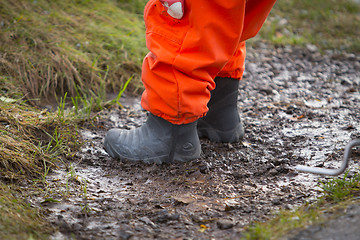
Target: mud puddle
column 298, row 107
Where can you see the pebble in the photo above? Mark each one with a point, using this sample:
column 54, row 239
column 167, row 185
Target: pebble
column 224, row 224
column 147, row 221
column 164, row 216
column 124, row 235
column 311, row 48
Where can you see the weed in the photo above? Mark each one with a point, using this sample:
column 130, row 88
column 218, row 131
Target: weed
column 56, row 146
column 72, row 172
column 257, row 232
column 85, row 105
column 85, row 209
column 283, row 223
column 61, row 108
column 116, row 100
column 70, row 177
column 339, row 189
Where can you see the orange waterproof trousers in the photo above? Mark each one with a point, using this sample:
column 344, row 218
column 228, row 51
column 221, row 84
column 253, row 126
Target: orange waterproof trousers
column 187, row 54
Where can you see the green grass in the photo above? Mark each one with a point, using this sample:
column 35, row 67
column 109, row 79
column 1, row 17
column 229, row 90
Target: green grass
column 338, row 193
column 31, row 140
column 341, row 188
column 18, row 220
column 283, row 223
column 328, row 24
column 55, row 47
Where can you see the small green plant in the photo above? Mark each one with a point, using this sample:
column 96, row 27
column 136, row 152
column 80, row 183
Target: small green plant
column 284, row 222
column 116, row 100
column 84, row 105
column 84, row 186
column 85, row 208
column 257, row 232
column 339, row 189
column 56, row 145
column 61, row 108
column 70, row 177
column 72, row 172
column 46, row 171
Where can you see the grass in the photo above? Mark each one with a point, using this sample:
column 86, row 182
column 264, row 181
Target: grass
column 56, row 47
column 341, row 188
column 339, row 192
column 31, row 140
column 283, row 223
column 328, row 24
column 18, row 220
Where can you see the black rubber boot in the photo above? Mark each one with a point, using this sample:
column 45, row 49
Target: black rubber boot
column 222, row 122
column 157, row 141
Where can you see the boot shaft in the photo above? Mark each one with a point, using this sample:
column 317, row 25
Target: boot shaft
column 222, row 122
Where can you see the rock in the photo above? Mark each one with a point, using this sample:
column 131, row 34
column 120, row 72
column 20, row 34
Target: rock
column 224, row 224
column 276, row 202
column 147, row 221
column 311, row 47
column 283, row 22
column 165, row 216
column 345, row 81
column 124, row 235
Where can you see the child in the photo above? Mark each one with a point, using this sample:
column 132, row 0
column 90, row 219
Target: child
column 191, row 77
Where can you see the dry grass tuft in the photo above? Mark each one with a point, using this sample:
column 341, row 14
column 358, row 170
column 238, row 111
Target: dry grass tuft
column 31, row 141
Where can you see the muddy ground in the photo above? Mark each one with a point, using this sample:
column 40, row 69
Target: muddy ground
column 298, row 107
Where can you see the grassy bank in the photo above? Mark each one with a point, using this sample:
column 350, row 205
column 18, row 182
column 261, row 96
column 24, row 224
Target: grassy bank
column 55, row 47
column 32, row 142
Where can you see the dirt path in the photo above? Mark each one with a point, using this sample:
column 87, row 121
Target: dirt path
column 297, row 106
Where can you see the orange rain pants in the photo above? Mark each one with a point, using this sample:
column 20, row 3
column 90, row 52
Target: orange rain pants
column 187, row 54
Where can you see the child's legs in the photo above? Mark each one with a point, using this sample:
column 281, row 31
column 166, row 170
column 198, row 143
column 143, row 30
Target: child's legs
column 187, row 54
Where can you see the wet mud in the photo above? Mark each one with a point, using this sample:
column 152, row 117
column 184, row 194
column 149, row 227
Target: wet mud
column 297, row 107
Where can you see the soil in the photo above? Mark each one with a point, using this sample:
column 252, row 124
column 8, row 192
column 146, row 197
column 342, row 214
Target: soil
column 297, row 106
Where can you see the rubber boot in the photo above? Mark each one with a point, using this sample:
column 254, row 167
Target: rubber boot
column 157, row 141
column 222, row 122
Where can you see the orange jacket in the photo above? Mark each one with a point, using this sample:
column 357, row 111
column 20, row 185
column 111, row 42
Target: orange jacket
column 187, row 54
